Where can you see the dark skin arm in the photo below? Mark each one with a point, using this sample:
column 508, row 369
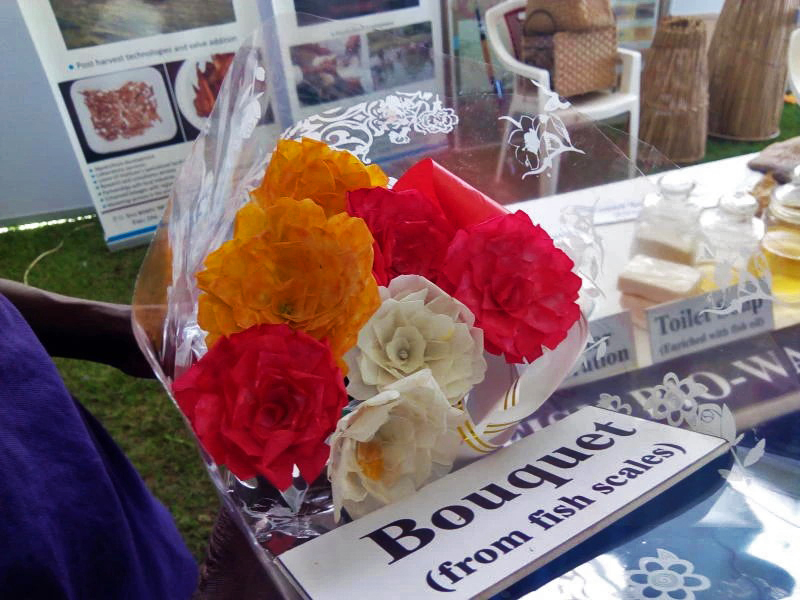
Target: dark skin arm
column 75, row 328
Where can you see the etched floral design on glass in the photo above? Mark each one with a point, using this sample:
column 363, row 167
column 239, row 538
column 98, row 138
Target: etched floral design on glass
column 538, row 140
column 664, row 577
column 615, row 403
column 355, row 128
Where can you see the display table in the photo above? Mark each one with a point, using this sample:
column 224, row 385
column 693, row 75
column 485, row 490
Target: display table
column 623, row 198
column 616, row 206
column 729, row 531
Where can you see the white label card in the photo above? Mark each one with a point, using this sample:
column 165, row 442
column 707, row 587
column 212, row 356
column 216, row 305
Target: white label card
column 687, row 326
column 478, row 530
column 611, row 350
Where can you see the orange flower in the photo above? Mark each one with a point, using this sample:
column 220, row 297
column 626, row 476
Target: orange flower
column 311, row 169
column 291, row 264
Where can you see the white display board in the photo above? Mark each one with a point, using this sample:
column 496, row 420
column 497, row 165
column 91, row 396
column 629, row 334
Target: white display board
column 31, row 125
column 133, row 82
column 479, row 529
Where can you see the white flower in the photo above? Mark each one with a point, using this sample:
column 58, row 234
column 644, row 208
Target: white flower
column 418, row 326
column 393, row 444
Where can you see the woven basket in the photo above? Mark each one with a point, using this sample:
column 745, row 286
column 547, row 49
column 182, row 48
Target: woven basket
column 578, row 62
column 747, row 68
column 550, row 16
column 675, row 90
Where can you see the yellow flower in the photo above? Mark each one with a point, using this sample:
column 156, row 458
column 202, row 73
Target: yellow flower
column 311, row 169
column 291, row 264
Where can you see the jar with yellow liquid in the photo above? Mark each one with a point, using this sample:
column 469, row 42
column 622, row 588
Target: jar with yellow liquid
column 730, row 235
column 781, row 243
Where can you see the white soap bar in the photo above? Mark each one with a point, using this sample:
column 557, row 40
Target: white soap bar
column 658, row 280
column 664, row 243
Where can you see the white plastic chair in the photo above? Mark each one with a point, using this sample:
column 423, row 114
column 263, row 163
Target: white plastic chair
column 595, row 107
column 794, row 64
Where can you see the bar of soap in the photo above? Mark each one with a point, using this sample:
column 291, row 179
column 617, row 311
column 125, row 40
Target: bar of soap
column 666, row 244
column 658, row 280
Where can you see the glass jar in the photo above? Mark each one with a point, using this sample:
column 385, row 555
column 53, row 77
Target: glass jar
column 667, row 227
column 730, row 235
column 781, row 243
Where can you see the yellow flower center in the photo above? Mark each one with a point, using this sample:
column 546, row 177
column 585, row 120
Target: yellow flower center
column 369, row 456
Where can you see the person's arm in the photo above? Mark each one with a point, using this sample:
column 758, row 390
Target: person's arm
column 76, row 328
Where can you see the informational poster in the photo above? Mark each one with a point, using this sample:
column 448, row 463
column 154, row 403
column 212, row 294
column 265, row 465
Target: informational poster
column 343, row 53
column 134, row 81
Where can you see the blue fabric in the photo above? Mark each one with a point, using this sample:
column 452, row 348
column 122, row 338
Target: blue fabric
column 76, row 520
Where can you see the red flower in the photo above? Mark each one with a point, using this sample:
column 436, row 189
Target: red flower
column 263, row 400
column 411, row 232
column 461, row 203
column 519, row 285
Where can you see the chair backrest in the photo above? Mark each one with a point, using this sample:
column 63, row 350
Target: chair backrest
column 505, row 20
column 504, row 28
column 514, row 19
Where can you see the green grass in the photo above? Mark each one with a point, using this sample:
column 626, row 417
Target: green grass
column 717, row 149
column 137, row 413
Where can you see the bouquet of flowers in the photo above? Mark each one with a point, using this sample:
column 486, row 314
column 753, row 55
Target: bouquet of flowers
column 330, row 274
column 340, row 330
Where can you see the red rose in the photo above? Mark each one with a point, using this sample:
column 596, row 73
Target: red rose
column 263, row 400
column 461, row 203
column 519, row 285
column 411, row 232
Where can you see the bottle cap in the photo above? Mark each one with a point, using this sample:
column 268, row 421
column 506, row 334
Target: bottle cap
column 676, row 184
column 788, row 196
column 740, row 204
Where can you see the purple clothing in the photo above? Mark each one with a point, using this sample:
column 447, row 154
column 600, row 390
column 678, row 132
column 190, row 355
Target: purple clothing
column 76, row 520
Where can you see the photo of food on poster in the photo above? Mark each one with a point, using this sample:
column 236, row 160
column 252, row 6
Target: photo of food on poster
column 135, row 81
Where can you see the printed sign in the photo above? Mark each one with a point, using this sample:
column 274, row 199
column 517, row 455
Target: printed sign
column 483, row 527
column 134, row 83
column 690, row 325
column 611, row 350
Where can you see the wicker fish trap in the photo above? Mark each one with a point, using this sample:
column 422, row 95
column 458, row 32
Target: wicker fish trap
column 675, row 90
column 747, row 68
